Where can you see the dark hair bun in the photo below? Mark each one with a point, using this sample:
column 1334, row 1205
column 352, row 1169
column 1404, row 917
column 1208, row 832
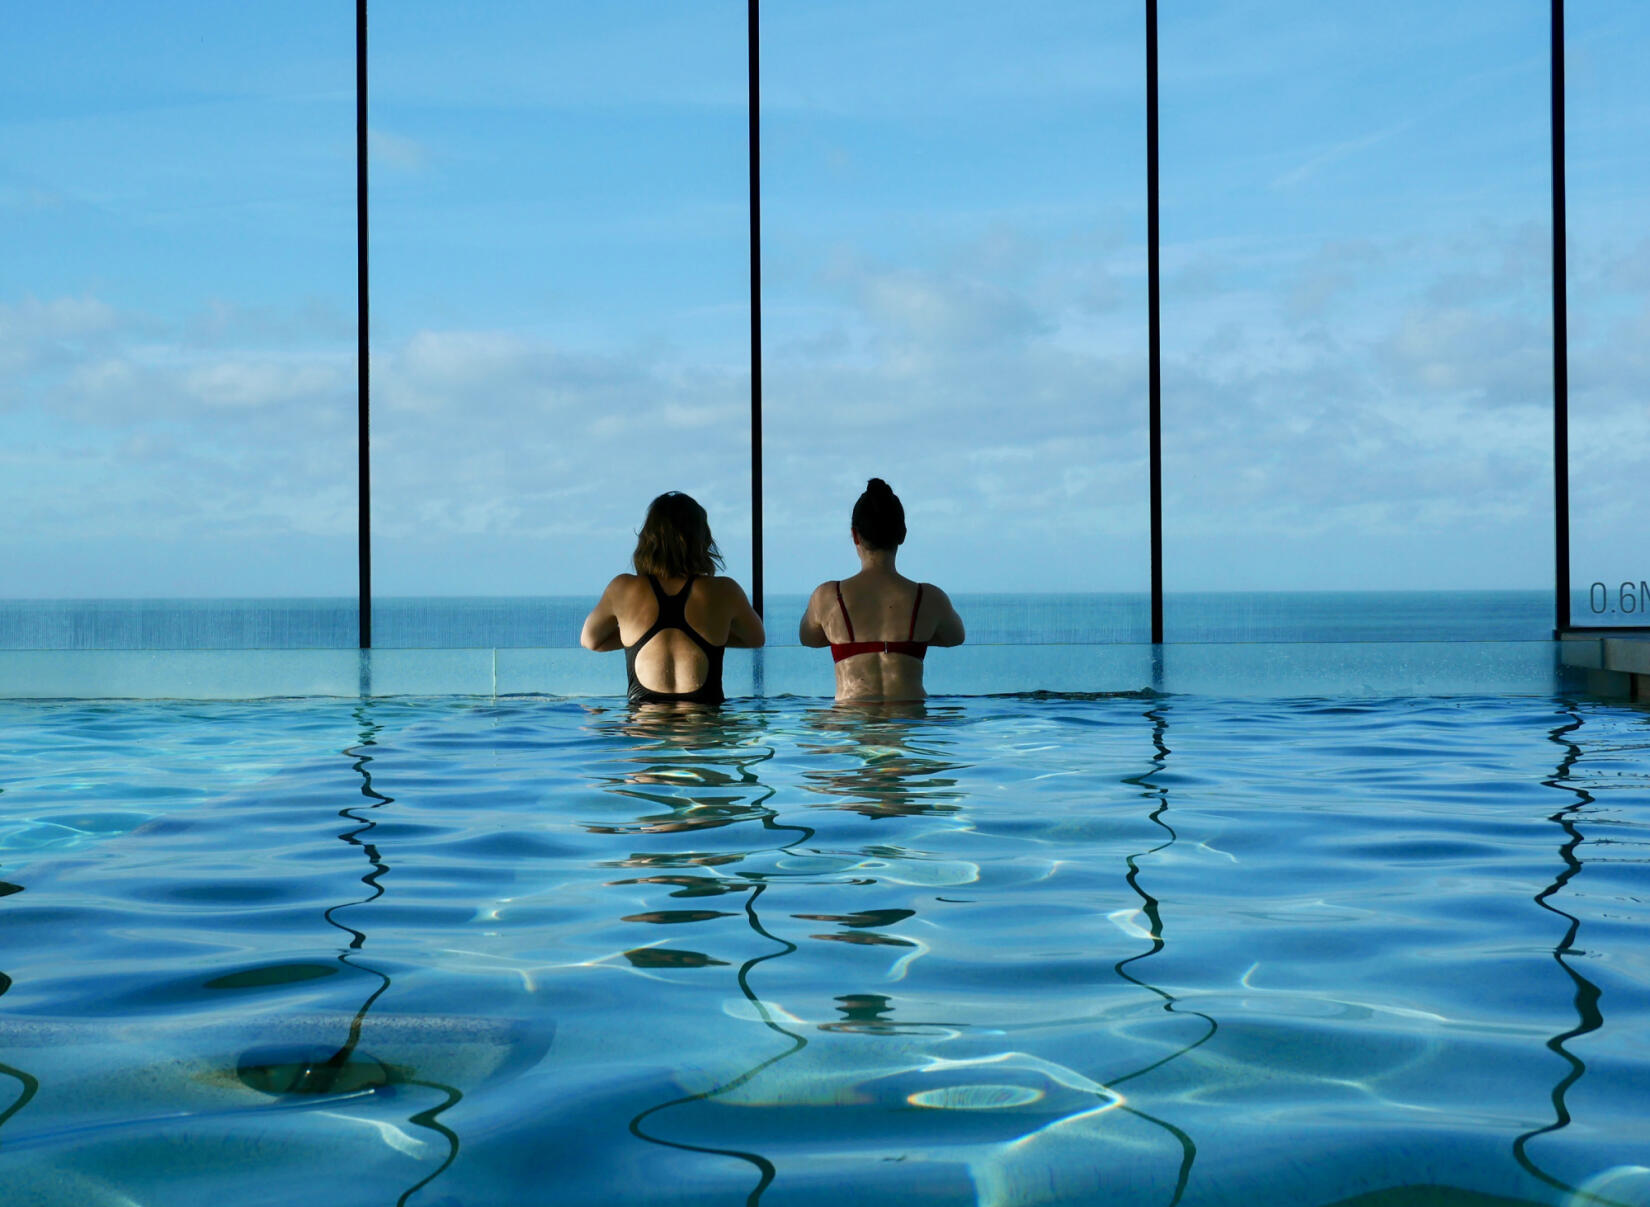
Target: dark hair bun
column 879, row 517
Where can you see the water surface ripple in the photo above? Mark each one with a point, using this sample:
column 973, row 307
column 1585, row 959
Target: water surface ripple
column 1167, row 950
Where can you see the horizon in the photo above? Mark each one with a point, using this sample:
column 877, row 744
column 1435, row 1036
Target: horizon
column 788, row 595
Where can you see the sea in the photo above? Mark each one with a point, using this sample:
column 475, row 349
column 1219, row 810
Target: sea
column 553, row 621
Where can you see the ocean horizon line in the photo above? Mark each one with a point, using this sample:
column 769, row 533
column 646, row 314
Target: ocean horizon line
column 379, row 597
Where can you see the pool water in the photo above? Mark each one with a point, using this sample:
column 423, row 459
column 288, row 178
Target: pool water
column 1026, row 950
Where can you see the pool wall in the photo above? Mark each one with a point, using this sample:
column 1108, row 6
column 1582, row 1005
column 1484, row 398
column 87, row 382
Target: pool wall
column 1283, row 669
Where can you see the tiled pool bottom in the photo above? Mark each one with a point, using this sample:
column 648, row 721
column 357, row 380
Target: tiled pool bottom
column 999, row 951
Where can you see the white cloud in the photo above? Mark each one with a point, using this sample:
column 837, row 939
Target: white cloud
column 29, row 198
column 1404, row 399
column 244, row 383
column 909, row 310
column 1375, row 409
column 385, row 149
column 34, row 333
column 1318, row 158
column 1496, row 358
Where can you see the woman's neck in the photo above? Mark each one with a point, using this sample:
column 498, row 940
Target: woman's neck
column 877, row 559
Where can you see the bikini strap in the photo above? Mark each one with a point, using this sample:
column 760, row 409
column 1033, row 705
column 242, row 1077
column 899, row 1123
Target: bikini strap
column 911, row 634
column 844, row 609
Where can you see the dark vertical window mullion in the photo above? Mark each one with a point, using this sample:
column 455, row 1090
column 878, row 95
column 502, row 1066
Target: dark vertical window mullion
column 1153, row 327
column 753, row 38
column 1561, row 341
column 363, row 376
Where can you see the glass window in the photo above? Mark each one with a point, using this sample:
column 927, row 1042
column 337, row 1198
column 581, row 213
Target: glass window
column 954, row 300
column 177, row 325
column 1356, row 320
column 560, row 318
column 1608, row 177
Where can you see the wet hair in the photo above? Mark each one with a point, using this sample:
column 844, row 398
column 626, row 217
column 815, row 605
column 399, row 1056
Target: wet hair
column 675, row 539
column 879, row 518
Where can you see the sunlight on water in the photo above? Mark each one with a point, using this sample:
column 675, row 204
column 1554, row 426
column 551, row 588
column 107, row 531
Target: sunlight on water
column 987, row 951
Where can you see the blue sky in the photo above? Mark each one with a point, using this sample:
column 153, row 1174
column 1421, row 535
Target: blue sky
column 1355, row 309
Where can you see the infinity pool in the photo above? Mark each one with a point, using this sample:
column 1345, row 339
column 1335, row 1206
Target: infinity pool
column 1122, row 950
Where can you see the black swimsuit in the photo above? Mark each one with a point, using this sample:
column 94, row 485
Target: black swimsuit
column 673, row 615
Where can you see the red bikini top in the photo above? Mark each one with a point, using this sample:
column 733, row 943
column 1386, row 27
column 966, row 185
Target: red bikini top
column 908, row 647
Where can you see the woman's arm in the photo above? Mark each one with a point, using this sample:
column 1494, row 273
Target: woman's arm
column 601, row 627
column 948, row 629
column 745, row 629
column 812, row 630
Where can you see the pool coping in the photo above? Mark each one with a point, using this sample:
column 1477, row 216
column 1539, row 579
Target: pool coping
column 1612, row 664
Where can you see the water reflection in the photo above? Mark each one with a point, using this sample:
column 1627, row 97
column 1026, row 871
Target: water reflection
column 1158, row 794
column 30, row 1085
column 886, row 760
column 795, row 1043
column 858, row 926
column 699, row 768
column 305, row 1070
column 872, row 1014
column 693, row 762
column 1588, row 1016
column 277, row 1071
column 670, row 957
column 881, row 762
column 695, row 770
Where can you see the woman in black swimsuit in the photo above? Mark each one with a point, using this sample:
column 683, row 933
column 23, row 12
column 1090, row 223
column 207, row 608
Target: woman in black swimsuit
column 879, row 624
column 674, row 616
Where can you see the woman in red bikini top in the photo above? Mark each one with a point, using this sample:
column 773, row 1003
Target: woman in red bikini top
column 879, row 624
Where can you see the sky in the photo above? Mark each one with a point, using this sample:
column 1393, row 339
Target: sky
column 1356, row 313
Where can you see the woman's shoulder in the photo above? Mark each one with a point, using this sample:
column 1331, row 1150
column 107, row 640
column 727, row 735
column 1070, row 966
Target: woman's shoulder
column 719, row 586
column 935, row 597
column 627, row 586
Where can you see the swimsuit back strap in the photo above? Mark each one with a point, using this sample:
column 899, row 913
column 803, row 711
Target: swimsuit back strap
column 672, row 613
column 678, row 601
column 911, row 633
column 660, row 621
column 844, row 609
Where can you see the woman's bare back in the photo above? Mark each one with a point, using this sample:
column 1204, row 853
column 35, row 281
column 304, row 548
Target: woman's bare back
column 879, row 625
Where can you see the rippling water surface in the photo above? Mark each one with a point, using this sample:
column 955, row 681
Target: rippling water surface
column 996, row 951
